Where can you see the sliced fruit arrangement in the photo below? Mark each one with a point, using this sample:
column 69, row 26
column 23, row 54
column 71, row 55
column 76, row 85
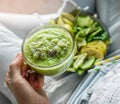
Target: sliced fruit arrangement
column 65, row 20
column 91, row 37
column 95, row 48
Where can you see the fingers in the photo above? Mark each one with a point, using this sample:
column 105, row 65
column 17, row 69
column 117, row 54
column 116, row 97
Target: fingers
column 21, row 72
column 15, row 66
column 24, row 70
column 9, row 81
column 14, row 73
column 18, row 60
column 36, row 80
column 32, row 79
column 40, row 81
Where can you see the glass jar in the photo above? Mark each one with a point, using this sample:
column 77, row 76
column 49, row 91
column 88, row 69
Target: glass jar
column 49, row 49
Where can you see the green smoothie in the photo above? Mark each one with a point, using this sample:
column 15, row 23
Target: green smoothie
column 48, row 49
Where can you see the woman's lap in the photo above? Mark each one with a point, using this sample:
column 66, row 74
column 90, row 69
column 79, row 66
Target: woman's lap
column 10, row 45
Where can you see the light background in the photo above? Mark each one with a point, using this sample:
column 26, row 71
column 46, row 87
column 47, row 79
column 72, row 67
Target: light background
column 30, row 6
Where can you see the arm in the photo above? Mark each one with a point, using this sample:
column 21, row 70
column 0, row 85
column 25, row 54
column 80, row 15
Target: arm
column 26, row 92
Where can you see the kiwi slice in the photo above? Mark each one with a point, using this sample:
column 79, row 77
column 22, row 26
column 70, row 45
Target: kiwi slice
column 88, row 63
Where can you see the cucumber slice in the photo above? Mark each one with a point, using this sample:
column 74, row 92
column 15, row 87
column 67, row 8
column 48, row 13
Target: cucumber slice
column 71, row 69
column 81, row 72
column 97, row 60
column 80, row 60
column 88, row 63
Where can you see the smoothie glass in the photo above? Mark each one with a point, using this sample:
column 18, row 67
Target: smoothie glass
column 61, row 64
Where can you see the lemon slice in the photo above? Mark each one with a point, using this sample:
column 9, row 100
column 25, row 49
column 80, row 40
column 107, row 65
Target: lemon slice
column 100, row 45
column 93, row 52
column 97, row 47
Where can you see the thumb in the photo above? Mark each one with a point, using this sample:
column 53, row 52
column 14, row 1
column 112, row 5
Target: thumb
column 15, row 66
column 18, row 60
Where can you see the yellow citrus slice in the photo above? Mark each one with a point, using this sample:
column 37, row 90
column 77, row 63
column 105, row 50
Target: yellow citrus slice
column 68, row 16
column 100, row 45
column 60, row 21
column 93, row 52
column 67, row 21
column 68, row 27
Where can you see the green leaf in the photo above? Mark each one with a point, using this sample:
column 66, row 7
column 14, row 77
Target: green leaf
column 92, row 35
column 84, row 21
column 81, row 42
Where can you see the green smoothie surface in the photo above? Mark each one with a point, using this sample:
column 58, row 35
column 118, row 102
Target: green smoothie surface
column 48, row 47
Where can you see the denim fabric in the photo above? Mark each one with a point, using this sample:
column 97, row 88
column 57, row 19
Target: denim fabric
column 84, row 91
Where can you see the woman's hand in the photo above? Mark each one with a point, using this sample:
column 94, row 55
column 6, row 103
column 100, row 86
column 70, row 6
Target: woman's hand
column 25, row 84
